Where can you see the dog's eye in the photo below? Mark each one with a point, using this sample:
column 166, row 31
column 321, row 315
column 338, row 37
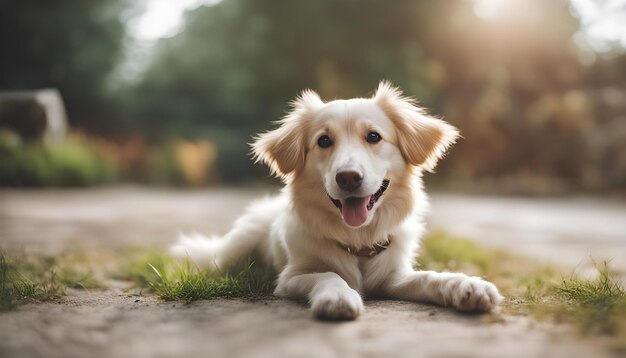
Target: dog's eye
column 373, row 137
column 324, row 141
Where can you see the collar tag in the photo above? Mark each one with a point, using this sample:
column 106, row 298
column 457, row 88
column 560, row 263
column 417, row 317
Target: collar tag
column 366, row 251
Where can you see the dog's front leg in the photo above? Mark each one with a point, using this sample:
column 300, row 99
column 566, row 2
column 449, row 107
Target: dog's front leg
column 458, row 290
column 329, row 295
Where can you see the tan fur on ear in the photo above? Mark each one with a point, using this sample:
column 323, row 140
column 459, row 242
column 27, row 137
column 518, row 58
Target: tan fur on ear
column 423, row 140
column 284, row 148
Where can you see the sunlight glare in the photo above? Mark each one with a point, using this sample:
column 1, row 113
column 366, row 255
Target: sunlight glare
column 603, row 24
column 487, row 9
column 163, row 18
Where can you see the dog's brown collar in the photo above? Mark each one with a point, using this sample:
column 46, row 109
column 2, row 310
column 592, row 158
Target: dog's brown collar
column 368, row 251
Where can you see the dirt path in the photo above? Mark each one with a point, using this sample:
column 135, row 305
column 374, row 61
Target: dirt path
column 113, row 324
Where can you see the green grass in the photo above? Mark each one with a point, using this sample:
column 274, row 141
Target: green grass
column 443, row 252
column 174, row 280
column 24, row 279
column 604, row 291
column 599, row 305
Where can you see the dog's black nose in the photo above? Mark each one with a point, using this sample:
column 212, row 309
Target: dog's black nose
column 349, row 180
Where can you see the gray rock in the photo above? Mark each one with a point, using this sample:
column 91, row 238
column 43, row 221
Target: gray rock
column 34, row 115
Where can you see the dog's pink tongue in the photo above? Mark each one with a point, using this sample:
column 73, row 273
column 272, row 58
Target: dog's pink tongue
column 354, row 211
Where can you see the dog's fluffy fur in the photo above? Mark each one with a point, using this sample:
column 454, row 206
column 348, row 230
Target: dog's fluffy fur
column 302, row 232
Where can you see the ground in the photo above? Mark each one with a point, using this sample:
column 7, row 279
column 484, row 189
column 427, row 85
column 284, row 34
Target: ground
column 118, row 322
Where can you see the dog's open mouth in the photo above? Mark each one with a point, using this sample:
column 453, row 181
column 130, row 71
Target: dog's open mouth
column 355, row 210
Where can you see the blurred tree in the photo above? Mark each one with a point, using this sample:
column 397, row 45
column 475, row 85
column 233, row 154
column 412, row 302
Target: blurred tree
column 237, row 64
column 71, row 45
column 530, row 104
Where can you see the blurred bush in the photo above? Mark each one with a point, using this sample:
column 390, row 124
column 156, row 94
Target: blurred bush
column 181, row 163
column 81, row 160
column 162, row 167
column 73, row 162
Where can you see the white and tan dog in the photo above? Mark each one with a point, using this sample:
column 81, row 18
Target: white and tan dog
column 350, row 217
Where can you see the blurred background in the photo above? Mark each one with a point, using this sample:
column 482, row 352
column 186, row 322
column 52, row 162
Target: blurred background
column 169, row 92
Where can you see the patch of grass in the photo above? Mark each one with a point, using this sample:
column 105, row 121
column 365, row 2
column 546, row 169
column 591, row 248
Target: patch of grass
column 600, row 304
column 443, row 252
column 24, row 279
column 514, row 275
column 76, row 269
column 597, row 306
column 175, row 280
column 136, row 266
column 604, row 291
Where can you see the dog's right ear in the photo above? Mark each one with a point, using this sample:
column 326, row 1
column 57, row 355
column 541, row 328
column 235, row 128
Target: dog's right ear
column 284, row 148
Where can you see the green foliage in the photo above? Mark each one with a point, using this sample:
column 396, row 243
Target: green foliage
column 236, row 65
column 137, row 264
column 529, row 107
column 164, row 168
column 241, row 67
column 600, row 303
column 70, row 163
column 596, row 305
column 539, row 285
column 24, row 279
column 174, row 280
column 518, row 89
column 604, row 291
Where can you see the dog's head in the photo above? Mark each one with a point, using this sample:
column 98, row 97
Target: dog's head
column 355, row 148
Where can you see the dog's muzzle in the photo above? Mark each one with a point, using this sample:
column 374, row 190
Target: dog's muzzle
column 373, row 198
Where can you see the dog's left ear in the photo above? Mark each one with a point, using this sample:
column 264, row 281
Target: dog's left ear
column 284, row 148
column 422, row 139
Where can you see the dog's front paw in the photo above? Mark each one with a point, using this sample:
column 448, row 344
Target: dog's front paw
column 471, row 294
column 337, row 304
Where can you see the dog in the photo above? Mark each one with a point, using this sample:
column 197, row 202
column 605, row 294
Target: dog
column 351, row 213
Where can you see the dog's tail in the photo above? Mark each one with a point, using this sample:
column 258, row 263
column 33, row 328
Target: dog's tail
column 201, row 250
column 246, row 236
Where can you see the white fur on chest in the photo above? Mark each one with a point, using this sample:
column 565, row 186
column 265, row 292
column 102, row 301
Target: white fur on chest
column 304, row 250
